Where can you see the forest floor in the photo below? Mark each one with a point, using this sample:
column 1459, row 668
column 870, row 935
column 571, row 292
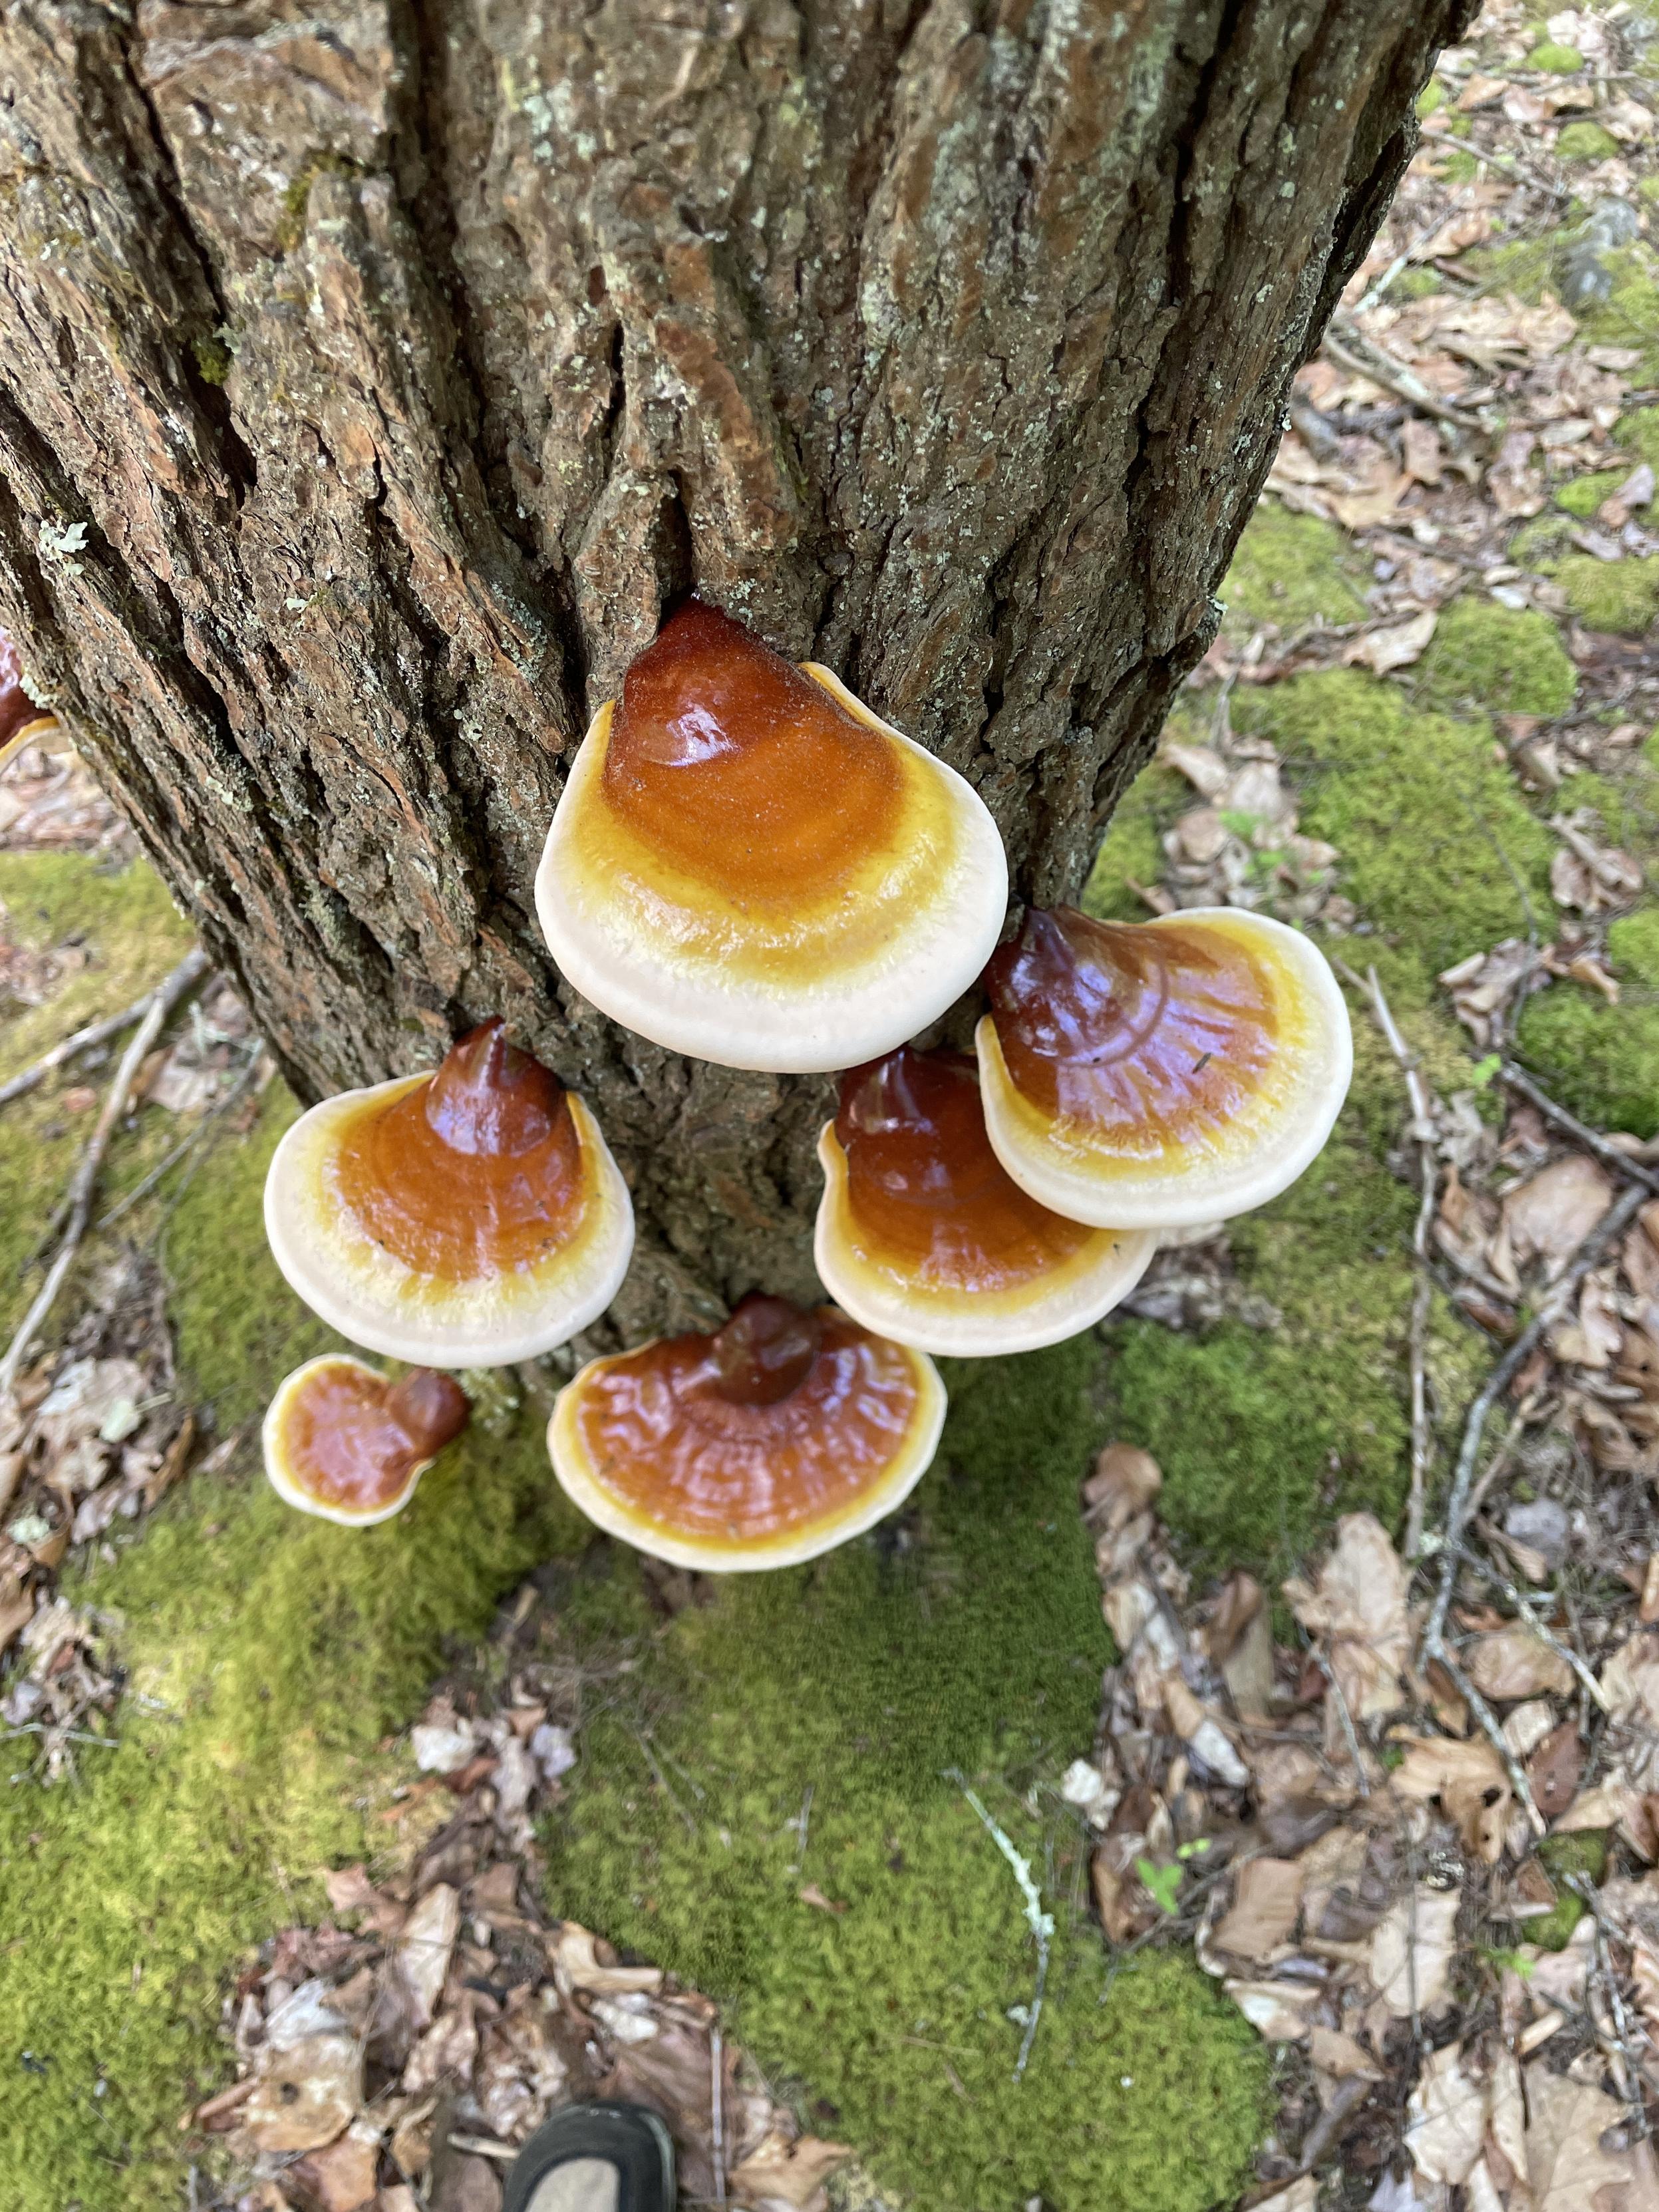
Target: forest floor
column 330, row 1859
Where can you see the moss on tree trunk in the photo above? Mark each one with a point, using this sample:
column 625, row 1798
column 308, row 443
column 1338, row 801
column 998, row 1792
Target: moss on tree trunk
column 372, row 377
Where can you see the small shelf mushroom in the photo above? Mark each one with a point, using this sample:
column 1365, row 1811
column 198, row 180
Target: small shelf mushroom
column 775, row 1438
column 22, row 721
column 342, row 1442
column 467, row 1218
column 923, row 1235
column 748, row 865
column 1161, row 1073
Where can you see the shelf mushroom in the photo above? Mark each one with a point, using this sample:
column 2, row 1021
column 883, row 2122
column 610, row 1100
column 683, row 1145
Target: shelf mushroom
column 22, row 721
column 466, row 1217
column 1161, row 1073
column 923, row 1235
column 778, row 1436
column 746, row 865
column 342, row 1442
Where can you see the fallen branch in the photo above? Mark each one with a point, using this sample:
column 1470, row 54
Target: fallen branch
column 191, row 970
column 1612, row 1223
column 1523, row 1605
column 1422, row 1131
column 1517, row 1080
column 1350, row 348
column 84, row 1181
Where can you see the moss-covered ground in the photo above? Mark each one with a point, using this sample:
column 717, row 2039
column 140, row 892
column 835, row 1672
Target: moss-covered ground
column 272, row 1660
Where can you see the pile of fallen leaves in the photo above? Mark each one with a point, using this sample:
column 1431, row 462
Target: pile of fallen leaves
column 94, row 1435
column 397, row 2053
column 1463, row 1976
column 1428, row 427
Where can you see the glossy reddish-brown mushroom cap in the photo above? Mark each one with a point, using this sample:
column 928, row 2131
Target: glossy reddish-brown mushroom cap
column 1161, row 1073
column 465, row 1217
column 343, row 1442
column 774, row 1438
column 922, row 1234
column 748, row 865
column 20, row 719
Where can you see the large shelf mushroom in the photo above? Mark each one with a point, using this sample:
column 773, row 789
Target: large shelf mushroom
column 342, row 1442
column 780, row 1435
column 468, row 1217
column 748, row 865
column 1163, row 1073
column 923, row 1235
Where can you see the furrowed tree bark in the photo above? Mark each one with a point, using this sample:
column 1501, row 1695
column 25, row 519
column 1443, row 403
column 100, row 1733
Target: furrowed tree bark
column 373, row 374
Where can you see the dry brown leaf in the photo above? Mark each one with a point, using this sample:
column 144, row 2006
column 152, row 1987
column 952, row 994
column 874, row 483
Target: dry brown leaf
column 1302, row 2196
column 1567, row 2169
column 1398, row 646
column 341, row 2176
column 306, row 2095
column 423, row 1948
column 1446, row 2125
column 1411, row 1950
column 1469, row 1780
column 1335, row 2051
column 1277, row 2010
column 1513, row 1662
column 1124, row 1482
column 1425, row 455
column 577, row 1965
column 1266, row 1900
column 1357, row 1607
column 787, row 2176
column 1549, row 1216
column 1554, row 1768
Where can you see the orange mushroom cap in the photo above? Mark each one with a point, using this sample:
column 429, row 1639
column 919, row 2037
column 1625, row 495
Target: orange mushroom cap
column 924, row 1235
column 748, row 865
column 774, row 1438
column 465, row 1217
column 342, row 1442
column 1161, row 1073
column 20, row 719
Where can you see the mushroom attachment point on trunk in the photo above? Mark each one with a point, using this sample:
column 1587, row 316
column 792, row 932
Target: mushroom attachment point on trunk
column 777, row 1437
column 923, row 1235
column 342, row 1442
column 1158, row 1074
column 746, row 865
column 22, row 721
column 467, row 1218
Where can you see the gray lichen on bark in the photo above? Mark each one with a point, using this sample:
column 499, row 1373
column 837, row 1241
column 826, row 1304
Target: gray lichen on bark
column 391, row 362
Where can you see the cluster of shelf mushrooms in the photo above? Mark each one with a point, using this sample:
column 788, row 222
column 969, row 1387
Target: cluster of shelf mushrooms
column 748, row 865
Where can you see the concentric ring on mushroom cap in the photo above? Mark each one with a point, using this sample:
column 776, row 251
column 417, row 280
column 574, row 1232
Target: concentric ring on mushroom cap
column 1161, row 1073
column 746, row 865
column 489, row 1238
column 345, row 1444
column 923, row 1236
column 774, row 1438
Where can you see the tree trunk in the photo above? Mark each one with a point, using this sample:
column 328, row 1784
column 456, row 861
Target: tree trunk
column 372, row 373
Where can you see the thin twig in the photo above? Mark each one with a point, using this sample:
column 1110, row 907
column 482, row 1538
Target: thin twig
column 716, row 2110
column 1494, row 1736
column 1612, row 1223
column 1517, row 1079
column 1422, row 1130
column 1626, row 2066
column 187, row 1143
column 85, row 1178
column 1040, row 1924
column 1350, row 1734
column 1523, row 1605
column 193, row 966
